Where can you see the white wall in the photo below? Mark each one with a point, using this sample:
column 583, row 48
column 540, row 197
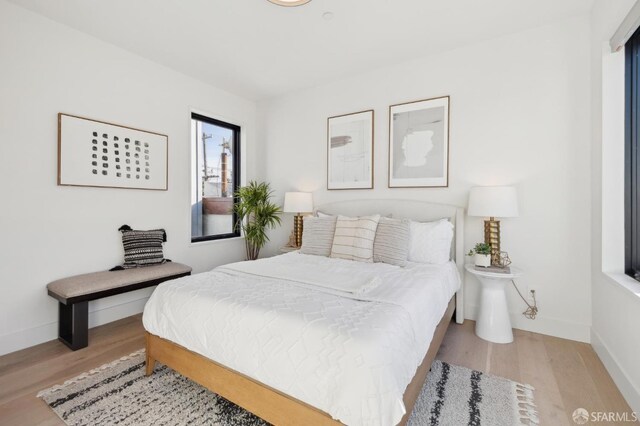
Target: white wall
column 519, row 114
column 47, row 231
column 616, row 297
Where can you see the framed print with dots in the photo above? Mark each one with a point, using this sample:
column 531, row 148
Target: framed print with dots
column 96, row 153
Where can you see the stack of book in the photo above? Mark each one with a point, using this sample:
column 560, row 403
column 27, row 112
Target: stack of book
column 495, row 269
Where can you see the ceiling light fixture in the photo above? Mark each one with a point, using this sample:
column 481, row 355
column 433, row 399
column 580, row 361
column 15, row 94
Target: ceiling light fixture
column 289, row 3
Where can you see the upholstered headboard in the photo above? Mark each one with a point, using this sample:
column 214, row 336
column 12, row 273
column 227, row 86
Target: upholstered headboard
column 421, row 211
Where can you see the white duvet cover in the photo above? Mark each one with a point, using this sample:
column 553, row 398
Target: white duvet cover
column 349, row 354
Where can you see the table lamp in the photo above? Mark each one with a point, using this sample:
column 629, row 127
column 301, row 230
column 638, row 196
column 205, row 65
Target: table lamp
column 492, row 202
column 298, row 203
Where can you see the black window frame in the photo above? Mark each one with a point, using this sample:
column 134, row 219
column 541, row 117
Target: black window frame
column 236, row 175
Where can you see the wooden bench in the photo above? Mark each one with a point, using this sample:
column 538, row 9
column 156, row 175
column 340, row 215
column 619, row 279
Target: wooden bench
column 74, row 293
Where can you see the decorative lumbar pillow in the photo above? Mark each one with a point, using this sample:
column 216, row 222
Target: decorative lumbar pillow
column 317, row 235
column 392, row 241
column 430, row 242
column 354, row 237
column 142, row 248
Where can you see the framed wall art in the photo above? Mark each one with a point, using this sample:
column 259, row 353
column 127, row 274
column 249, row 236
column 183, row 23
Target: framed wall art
column 419, row 143
column 350, row 151
column 100, row 154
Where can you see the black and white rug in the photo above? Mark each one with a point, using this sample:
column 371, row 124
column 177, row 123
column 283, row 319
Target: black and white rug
column 119, row 393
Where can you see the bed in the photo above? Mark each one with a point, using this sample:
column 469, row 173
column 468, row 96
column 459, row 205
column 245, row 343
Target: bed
column 300, row 339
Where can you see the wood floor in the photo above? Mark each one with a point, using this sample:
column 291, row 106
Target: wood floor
column 566, row 374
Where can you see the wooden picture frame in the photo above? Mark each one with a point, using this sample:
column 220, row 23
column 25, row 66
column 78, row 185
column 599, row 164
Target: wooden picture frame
column 350, row 151
column 100, row 154
column 419, row 144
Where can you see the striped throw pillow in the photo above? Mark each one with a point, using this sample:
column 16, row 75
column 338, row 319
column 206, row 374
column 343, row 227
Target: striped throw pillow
column 354, row 237
column 317, row 235
column 392, row 242
column 142, row 248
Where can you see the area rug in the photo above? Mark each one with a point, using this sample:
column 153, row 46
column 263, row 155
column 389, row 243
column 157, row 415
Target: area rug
column 119, row 393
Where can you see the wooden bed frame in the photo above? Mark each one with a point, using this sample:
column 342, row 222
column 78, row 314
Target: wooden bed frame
column 277, row 407
column 265, row 402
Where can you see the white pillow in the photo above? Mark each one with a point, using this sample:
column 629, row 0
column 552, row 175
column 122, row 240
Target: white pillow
column 354, row 237
column 430, row 242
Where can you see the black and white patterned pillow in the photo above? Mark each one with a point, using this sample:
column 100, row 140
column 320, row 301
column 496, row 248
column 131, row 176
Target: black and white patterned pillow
column 142, row 248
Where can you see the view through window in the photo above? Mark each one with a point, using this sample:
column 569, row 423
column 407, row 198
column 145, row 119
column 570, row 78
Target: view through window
column 217, row 171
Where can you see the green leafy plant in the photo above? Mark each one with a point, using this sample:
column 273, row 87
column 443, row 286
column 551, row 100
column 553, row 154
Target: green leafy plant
column 480, row 248
column 256, row 213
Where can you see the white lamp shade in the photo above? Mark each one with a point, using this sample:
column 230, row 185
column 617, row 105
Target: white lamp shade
column 298, row 202
column 493, row 201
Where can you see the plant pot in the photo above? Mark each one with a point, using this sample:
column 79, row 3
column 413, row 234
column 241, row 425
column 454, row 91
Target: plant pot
column 483, row 260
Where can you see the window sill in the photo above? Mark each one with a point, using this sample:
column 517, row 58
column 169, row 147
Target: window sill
column 626, row 282
column 218, row 241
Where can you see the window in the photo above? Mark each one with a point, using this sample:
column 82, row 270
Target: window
column 632, row 157
column 215, row 178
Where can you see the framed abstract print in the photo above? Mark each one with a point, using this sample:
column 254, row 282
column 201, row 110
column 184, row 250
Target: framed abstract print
column 100, row 154
column 350, row 151
column 419, row 144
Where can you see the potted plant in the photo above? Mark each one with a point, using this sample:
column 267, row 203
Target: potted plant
column 256, row 213
column 482, row 252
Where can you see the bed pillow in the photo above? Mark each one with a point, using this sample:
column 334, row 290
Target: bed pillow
column 392, row 242
column 430, row 242
column 142, row 248
column 354, row 237
column 317, row 235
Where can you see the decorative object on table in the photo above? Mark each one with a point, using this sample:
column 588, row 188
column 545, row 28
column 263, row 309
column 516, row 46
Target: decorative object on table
column 444, row 398
column 298, row 203
column 256, row 213
column 492, row 202
column 142, row 248
column 482, row 255
column 419, row 143
column 350, row 151
column 493, row 323
column 100, row 154
column 503, row 259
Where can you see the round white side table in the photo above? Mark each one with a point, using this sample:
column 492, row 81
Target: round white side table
column 493, row 323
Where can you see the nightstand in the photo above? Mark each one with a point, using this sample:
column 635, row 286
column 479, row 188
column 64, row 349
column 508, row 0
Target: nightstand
column 288, row 249
column 493, row 323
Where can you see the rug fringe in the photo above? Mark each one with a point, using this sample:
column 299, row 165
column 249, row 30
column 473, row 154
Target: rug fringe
column 90, row 373
column 525, row 407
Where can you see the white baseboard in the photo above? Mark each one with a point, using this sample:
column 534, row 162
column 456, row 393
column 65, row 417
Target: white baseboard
column 33, row 336
column 543, row 325
column 629, row 390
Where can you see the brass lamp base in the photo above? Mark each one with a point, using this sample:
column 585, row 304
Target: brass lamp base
column 492, row 237
column 297, row 229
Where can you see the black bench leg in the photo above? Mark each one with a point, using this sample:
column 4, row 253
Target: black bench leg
column 73, row 324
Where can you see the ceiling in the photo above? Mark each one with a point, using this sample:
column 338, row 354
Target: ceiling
column 258, row 50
